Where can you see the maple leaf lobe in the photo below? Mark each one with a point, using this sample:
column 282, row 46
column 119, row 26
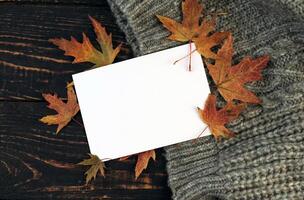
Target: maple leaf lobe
column 96, row 165
column 66, row 111
column 143, row 161
column 216, row 119
column 230, row 80
column 190, row 25
column 190, row 29
column 105, row 42
column 205, row 43
column 85, row 52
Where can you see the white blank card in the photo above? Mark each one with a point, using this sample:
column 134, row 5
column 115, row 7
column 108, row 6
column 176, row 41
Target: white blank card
column 142, row 103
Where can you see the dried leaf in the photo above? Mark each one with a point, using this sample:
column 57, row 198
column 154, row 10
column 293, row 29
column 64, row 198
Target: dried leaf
column 216, row 119
column 190, row 26
column 123, row 158
column 96, row 165
column 142, row 161
column 71, row 84
column 85, row 51
column 206, row 41
column 202, row 34
column 230, row 80
column 66, row 111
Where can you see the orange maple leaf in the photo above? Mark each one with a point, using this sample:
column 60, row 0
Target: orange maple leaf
column 208, row 39
column 230, row 80
column 142, row 161
column 202, row 34
column 216, row 119
column 190, row 26
column 85, row 51
column 66, row 111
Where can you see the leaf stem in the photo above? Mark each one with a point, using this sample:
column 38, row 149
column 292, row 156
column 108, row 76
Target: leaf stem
column 200, row 134
column 221, row 13
column 190, row 49
column 184, row 57
column 214, row 14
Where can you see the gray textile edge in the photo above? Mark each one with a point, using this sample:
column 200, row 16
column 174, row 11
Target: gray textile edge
column 266, row 159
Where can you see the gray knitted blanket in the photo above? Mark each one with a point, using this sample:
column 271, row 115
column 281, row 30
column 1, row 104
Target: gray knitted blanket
column 266, row 158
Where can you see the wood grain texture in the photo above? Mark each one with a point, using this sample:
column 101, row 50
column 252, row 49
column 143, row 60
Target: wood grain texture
column 34, row 162
column 59, row 2
column 29, row 64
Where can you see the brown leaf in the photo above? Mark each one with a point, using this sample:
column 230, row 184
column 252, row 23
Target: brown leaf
column 96, row 165
column 123, row 158
column 143, row 161
column 85, row 51
column 202, row 34
column 206, row 41
column 66, row 111
column 190, row 26
column 216, row 119
column 230, row 80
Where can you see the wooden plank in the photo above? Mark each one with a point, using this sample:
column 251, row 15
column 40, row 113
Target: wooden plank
column 36, row 163
column 29, row 64
column 58, row 2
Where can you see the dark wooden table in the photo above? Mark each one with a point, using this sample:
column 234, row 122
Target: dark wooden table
column 34, row 162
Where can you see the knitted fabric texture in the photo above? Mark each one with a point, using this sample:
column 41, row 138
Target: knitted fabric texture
column 266, row 158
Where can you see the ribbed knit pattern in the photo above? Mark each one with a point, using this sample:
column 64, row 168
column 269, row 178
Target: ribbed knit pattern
column 266, row 158
column 296, row 5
